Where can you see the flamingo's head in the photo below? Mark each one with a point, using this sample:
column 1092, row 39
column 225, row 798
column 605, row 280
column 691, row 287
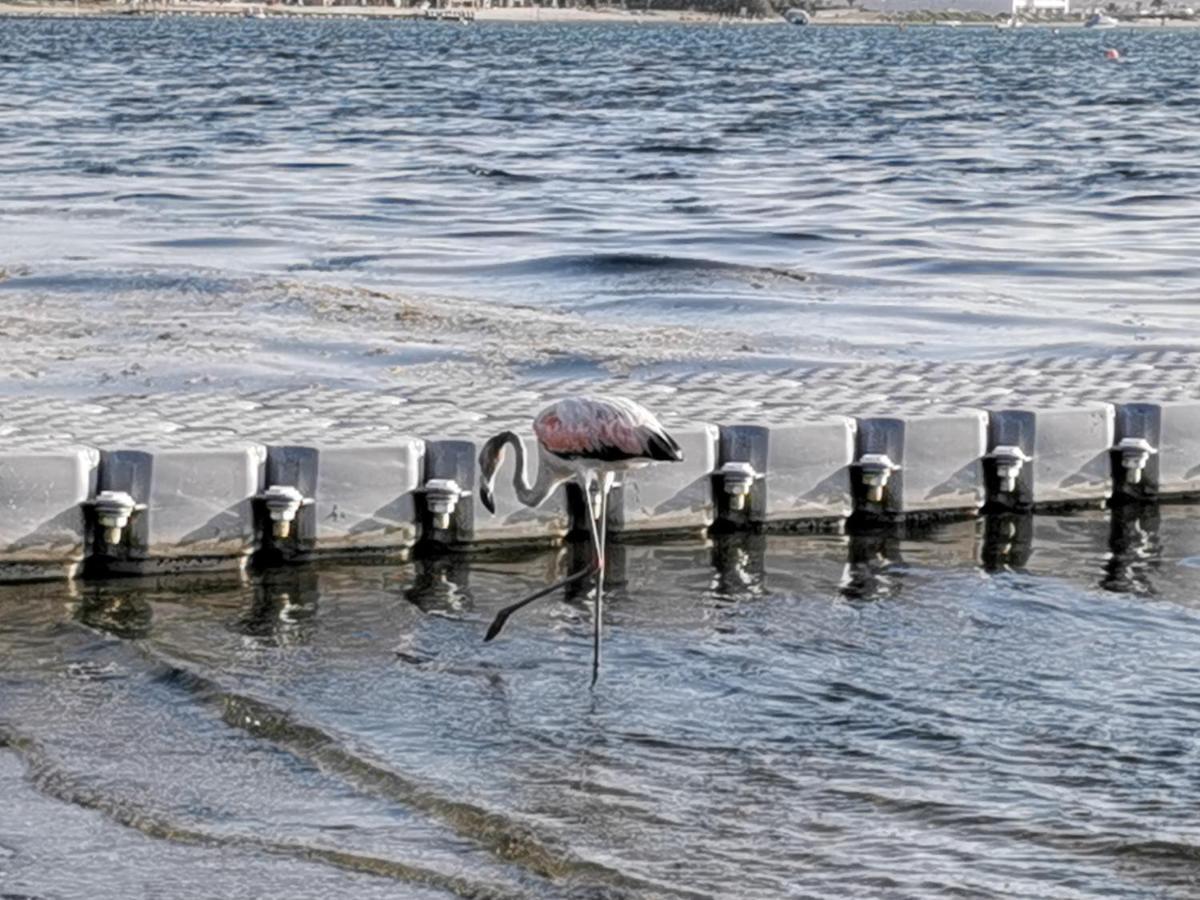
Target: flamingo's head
column 490, row 457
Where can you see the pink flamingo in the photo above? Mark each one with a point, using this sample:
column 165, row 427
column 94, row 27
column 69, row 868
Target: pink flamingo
column 589, row 440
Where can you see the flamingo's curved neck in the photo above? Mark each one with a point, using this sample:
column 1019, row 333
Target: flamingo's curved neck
column 548, row 478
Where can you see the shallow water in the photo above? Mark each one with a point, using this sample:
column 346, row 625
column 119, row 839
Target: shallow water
column 844, row 192
column 984, row 709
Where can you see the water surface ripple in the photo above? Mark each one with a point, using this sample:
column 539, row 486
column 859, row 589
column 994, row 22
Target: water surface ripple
column 999, row 709
column 935, row 191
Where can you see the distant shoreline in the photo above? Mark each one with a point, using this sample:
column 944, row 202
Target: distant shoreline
column 109, row 9
column 530, row 15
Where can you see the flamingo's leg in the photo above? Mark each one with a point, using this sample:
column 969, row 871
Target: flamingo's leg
column 502, row 616
column 600, row 532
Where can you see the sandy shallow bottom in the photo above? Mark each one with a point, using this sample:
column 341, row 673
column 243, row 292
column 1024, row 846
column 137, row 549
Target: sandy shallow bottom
column 201, row 333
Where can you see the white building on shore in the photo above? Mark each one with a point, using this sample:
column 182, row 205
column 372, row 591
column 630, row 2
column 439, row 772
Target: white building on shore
column 1047, row 8
column 1021, row 8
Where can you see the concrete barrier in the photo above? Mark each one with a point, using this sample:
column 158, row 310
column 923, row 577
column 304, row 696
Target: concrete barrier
column 1067, row 455
column 172, row 482
column 1157, row 450
column 347, row 499
column 43, row 522
column 196, row 507
column 921, row 464
column 670, row 496
column 456, row 461
column 790, row 473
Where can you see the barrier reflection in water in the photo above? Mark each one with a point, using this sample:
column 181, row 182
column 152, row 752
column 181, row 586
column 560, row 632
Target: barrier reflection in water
column 124, row 615
column 442, row 584
column 283, row 609
column 1134, row 549
column 1007, row 541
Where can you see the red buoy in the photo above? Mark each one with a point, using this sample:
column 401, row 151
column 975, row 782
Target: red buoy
column 1112, row 53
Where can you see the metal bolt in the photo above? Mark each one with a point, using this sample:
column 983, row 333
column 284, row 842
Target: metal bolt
column 877, row 469
column 283, row 502
column 441, row 496
column 1009, row 461
column 113, row 511
column 1135, row 454
column 738, row 478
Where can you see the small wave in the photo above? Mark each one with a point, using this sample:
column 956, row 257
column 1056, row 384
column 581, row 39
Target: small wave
column 336, row 263
column 619, row 263
column 62, row 785
column 676, row 149
column 152, row 195
column 303, row 166
column 501, row 173
column 99, row 168
column 503, row 837
column 262, row 101
column 203, row 243
column 658, row 175
column 120, row 282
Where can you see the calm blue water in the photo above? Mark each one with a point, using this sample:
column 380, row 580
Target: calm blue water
column 946, row 192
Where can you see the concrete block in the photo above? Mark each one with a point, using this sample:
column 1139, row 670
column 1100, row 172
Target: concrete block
column 458, row 460
column 1068, row 450
column 43, row 531
column 669, row 496
column 1172, row 465
column 364, row 497
column 199, row 503
column 939, row 458
column 803, row 468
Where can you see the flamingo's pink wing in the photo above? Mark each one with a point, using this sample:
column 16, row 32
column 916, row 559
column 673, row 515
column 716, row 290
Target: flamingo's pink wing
column 604, row 429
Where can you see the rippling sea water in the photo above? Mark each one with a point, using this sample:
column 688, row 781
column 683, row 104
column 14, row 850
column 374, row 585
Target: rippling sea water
column 999, row 710
column 841, row 191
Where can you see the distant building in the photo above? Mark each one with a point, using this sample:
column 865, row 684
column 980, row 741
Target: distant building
column 991, row 7
column 1041, row 7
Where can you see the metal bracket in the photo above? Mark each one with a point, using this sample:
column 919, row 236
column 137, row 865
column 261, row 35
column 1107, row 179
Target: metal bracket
column 283, row 502
column 738, row 478
column 442, row 496
column 877, row 469
column 114, row 510
column 1135, row 454
column 1009, row 461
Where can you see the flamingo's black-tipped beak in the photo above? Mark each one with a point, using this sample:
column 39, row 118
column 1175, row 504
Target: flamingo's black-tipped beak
column 486, row 498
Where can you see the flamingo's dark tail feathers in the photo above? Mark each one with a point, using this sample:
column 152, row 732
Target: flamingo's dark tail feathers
column 662, row 446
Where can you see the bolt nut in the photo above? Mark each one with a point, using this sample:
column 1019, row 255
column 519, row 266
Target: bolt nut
column 877, row 469
column 1135, row 455
column 282, row 503
column 1010, row 459
column 442, row 496
column 738, row 478
column 113, row 511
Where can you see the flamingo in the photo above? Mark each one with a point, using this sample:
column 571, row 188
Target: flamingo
column 589, row 440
